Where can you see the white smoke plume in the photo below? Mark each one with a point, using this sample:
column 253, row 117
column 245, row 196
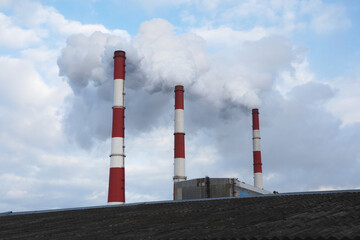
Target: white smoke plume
column 157, row 60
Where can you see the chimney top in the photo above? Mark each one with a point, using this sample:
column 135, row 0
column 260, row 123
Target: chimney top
column 119, row 53
column 179, row 88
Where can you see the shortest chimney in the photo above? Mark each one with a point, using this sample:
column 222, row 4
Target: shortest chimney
column 258, row 179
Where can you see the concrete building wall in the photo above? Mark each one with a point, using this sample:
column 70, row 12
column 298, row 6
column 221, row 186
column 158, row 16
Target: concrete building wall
column 214, row 188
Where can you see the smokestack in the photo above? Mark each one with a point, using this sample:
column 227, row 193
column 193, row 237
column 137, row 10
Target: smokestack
column 117, row 171
column 258, row 180
column 179, row 136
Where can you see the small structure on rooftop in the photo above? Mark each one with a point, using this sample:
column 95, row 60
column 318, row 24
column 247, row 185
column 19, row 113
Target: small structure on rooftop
column 214, row 188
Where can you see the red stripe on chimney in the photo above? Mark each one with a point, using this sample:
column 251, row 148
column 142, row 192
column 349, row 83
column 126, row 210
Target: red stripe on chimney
column 179, row 97
column 119, row 65
column 116, row 185
column 118, row 127
column 179, row 150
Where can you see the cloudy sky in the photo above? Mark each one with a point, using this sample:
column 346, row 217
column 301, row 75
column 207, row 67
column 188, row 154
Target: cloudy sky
column 298, row 61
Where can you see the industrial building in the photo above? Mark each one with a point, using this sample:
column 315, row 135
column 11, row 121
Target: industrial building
column 215, row 188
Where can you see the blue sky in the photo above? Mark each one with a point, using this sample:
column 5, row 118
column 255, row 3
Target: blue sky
column 297, row 61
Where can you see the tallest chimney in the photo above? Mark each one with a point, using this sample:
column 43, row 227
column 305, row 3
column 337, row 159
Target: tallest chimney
column 117, row 171
column 258, row 179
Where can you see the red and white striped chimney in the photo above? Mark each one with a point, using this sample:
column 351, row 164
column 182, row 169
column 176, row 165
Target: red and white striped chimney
column 117, row 170
column 258, row 179
column 179, row 136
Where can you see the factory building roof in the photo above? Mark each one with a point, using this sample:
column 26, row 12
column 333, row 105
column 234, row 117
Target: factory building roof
column 311, row 215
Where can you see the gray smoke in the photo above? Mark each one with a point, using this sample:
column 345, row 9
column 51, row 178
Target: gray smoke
column 157, row 60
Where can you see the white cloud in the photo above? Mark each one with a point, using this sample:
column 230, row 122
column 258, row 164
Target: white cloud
column 246, row 9
column 17, row 194
column 153, row 162
column 29, row 106
column 46, row 21
column 226, row 37
column 138, row 197
column 333, row 188
column 209, row 5
column 5, row 3
column 13, row 36
column 290, row 79
column 58, row 23
column 325, row 18
column 187, row 17
column 18, row 76
column 151, row 5
column 281, row 16
column 347, row 101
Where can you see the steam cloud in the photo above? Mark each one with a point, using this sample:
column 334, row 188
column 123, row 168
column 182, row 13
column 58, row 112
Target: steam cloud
column 157, row 60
